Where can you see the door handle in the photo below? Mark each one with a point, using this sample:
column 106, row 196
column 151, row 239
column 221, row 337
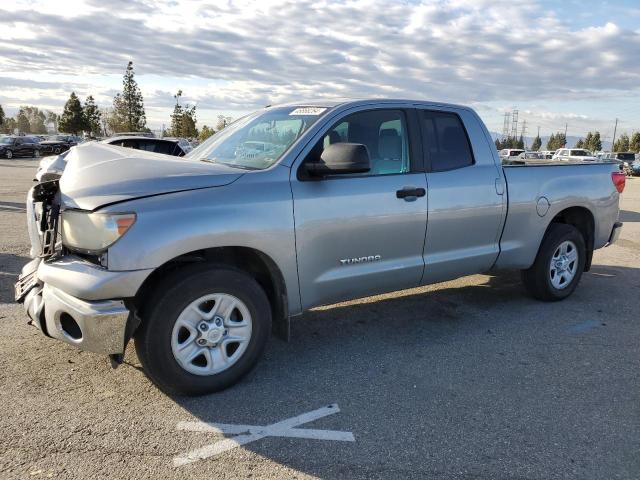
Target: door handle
column 410, row 192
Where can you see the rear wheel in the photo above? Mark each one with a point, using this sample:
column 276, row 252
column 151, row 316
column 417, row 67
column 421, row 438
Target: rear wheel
column 203, row 330
column 36, row 153
column 9, row 154
column 559, row 264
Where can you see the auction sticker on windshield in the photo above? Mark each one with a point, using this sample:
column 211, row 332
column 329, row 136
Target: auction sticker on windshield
column 308, row 111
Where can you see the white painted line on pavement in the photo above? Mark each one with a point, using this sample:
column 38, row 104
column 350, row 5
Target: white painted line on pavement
column 251, row 433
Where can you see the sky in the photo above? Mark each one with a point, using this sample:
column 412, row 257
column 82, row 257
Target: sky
column 573, row 63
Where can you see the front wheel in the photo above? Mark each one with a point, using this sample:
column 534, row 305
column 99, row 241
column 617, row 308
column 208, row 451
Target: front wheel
column 559, row 264
column 36, row 153
column 8, row 154
column 203, row 330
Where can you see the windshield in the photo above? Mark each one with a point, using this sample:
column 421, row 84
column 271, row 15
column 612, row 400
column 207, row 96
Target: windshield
column 59, row 138
column 515, row 153
column 626, row 156
column 6, row 140
column 580, row 153
column 257, row 141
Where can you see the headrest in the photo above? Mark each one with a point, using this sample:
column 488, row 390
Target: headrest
column 389, row 144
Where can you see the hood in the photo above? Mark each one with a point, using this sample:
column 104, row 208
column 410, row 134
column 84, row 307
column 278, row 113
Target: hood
column 52, row 142
column 98, row 174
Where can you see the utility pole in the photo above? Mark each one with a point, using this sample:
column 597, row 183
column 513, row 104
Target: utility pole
column 514, row 124
column 505, row 125
column 565, row 134
column 613, row 142
column 523, row 132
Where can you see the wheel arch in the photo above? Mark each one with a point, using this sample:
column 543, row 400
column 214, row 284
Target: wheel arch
column 252, row 261
column 583, row 220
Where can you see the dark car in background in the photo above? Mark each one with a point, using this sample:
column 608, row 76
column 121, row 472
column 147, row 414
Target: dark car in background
column 157, row 145
column 56, row 144
column 16, row 146
column 185, row 145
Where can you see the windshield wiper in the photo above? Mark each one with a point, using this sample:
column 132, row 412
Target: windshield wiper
column 233, row 165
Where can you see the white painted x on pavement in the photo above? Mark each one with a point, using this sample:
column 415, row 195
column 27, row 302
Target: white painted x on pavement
column 251, row 433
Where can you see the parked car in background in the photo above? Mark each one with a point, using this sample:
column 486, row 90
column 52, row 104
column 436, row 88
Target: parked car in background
column 523, row 159
column 56, row 144
column 185, row 145
column 168, row 146
column 575, row 154
column 16, row 146
column 510, row 152
column 623, row 159
column 548, row 154
column 635, row 167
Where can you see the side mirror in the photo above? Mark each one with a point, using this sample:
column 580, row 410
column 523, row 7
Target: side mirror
column 340, row 158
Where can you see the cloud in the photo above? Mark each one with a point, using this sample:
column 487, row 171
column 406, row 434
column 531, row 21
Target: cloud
column 248, row 54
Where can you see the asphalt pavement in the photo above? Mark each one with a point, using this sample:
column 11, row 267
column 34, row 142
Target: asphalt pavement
column 469, row 379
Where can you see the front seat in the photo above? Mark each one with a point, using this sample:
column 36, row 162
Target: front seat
column 389, row 153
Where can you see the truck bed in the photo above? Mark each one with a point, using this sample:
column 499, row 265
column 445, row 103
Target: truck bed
column 538, row 192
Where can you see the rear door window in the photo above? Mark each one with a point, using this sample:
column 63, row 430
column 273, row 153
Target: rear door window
column 446, row 143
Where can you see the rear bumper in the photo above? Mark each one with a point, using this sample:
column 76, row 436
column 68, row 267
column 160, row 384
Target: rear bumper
column 615, row 233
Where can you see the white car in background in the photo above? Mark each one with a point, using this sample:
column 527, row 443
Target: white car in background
column 510, row 153
column 548, row 154
column 574, row 154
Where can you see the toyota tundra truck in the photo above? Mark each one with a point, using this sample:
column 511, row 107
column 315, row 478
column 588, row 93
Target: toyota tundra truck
column 198, row 259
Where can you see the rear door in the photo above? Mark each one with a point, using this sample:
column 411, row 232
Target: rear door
column 358, row 234
column 467, row 203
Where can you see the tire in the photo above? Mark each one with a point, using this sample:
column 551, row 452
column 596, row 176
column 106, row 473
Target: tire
column 171, row 306
column 9, row 154
column 36, row 153
column 540, row 279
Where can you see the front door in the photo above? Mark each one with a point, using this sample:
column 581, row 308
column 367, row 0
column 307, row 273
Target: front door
column 360, row 234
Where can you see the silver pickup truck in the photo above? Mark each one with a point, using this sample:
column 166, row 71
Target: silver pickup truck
column 199, row 258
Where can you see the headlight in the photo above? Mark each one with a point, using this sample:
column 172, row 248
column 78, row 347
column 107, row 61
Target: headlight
column 94, row 232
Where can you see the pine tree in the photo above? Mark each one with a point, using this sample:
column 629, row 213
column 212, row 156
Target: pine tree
column 206, row 132
column 622, row 144
column 596, row 142
column 634, row 144
column 588, row 141
column 551, row 143
column 189, row 120
column 22, row 121
column 580, row 143
column 520, row 142
column 128, row 107
column 497, row 142
column 92, row 116
column 537, row 143
column 176, row 116
column 72, row 119
column 1, row 118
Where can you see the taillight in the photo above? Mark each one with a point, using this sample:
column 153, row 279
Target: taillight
column 619, row 179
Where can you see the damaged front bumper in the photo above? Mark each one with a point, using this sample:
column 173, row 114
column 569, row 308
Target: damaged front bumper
column 53, row 306
column 67, row 297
